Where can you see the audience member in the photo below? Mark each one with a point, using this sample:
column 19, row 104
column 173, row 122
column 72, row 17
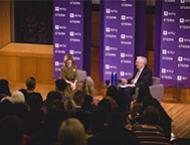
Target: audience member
column 71, row 132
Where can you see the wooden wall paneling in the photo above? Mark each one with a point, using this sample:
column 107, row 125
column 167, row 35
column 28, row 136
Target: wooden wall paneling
column 5, row 25
column 4, row 68
column 28, row 68
column 45, row 70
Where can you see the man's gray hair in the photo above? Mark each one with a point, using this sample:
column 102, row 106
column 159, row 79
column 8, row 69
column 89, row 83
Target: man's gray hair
column 142, row 59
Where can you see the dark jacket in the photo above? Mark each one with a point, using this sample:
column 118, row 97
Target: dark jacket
column 145, row 78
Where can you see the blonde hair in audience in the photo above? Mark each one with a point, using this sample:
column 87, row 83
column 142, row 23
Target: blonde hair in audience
column 17, row 97
column 71, row 132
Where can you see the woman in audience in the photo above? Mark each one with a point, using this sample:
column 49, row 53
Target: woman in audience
column 16, row 97
column 71, row 132
column 150, row 133
column 69, row 74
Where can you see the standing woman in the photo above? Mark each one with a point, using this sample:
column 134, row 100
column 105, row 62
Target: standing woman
column 69, row 74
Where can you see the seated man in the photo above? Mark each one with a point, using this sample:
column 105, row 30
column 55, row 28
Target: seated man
column 143, row 77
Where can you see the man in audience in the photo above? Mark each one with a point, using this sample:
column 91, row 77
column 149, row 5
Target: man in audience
column 31, row 84
column 30, row 87
column 143, row 77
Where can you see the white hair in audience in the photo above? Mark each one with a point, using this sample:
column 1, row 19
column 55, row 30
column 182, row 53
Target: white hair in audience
column 71, row 132
column 142, row 59
column 17, row 97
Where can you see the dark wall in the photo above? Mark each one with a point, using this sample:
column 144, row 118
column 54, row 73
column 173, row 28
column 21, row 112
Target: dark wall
column 33, row 21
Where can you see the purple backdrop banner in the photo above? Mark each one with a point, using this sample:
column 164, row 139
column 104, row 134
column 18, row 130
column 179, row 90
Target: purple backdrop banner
column 68, row 32
column 118, row 38
column 175, row 43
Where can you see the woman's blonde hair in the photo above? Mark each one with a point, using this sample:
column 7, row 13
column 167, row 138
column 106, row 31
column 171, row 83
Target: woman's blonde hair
column 17, row 97
column 71, row 132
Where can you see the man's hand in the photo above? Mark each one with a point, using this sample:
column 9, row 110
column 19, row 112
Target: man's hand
column 124, row 81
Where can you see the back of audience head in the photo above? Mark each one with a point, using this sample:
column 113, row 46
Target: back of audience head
column 4, row 88
column 11, row 130
column 52, row 96
column 6, row 108
column 116, row 119
column 78, row 98
column 71, row 132
column 105, row 105
column 31, row 84
column 55, row 115
column 17, row 97
column 60, row 85
column 86, row 118
column 151, row 116
column 112, row 92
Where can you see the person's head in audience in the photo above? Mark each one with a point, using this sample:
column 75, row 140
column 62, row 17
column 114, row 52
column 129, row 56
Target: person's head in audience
column 17, row 97
column 52, row 96
column 86, row 118
column 78, row 98
column 144, row 94
column 31, row 84
column 112, row 92
column 56, row 114
column 116, row 120
column 60, row 85
column 4, row 88
column 141, row 62
column 6, row 108
column 105, row 105
column 151, row 116
column 71, row 132
column 11, row 130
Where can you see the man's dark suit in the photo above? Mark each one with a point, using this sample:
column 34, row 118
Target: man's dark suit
column 145, row 79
